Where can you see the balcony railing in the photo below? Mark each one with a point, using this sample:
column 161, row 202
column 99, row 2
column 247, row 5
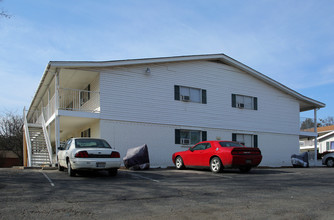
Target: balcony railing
column 79, row 100
column 70, row 100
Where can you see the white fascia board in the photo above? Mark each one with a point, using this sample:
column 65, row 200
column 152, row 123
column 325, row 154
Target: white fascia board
column 79, row 64
column 326, row 135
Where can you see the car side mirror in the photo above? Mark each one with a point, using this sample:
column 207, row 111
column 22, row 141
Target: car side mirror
column 191, row 149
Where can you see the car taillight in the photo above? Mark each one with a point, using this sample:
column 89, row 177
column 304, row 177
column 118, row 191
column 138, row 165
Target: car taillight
column 115, row 154
column 81, row 154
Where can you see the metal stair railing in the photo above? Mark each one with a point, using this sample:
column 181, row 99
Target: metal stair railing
column 27, row 136
column 47, row 139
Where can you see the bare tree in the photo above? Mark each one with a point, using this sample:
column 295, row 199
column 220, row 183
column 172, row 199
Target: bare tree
column 327, row 121
column 307, row 123
column 4, row 14
column 11, row 134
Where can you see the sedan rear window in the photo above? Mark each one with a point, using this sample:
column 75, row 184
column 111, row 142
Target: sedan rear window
column 91, row 143
column 230, row 144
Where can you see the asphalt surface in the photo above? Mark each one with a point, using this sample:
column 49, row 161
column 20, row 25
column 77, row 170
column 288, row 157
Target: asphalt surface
column 287, row 193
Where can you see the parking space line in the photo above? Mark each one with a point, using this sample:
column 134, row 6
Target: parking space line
column 144, row 177
column 50, row 181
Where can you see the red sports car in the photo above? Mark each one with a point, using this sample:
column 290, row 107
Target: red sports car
column 218, row 155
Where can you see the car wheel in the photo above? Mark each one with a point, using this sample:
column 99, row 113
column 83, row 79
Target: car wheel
column 70, row 171
column 330, row 162
column 245, row 169
column 179, row 163
column 216, row 165
column 112, row 172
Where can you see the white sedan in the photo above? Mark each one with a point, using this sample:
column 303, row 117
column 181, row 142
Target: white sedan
column 88, row 154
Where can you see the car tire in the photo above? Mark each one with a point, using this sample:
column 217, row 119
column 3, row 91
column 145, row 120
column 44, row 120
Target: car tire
column 60, row 168
column 70, row 171
column 245, row 169
column 179, row 163
column 113, row 172
column 216, row 165
column 330, row 162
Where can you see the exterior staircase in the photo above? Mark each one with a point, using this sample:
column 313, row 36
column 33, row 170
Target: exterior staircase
column 39, row 150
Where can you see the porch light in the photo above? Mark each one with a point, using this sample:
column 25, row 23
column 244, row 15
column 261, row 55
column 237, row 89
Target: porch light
column 148, row 71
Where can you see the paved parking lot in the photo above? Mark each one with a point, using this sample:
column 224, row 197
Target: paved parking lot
column 168, row 194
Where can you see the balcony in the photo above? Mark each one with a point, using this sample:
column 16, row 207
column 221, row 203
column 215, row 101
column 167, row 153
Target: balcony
column 79, row 100
column 70, row 100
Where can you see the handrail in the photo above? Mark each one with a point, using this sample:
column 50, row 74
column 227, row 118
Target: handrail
column 46, row 137
column 27, row 136
column 79, row 100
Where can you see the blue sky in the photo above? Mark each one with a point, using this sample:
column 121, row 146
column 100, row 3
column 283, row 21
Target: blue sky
column 291, row 41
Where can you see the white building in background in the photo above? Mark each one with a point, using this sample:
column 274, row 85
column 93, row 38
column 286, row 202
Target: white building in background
column 325, row 140
column 168, row 103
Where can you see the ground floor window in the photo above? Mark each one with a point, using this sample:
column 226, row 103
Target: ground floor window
column 329, row 145
column 249, row 140
column 189, row 137
column 86, row 133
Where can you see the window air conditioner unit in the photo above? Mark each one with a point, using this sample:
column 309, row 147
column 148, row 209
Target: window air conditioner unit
column 185, row 141
column 241, row 105
column 186, row 98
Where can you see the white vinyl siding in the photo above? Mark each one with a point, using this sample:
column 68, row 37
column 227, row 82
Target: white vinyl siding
column 128, row 94
column 276, row 148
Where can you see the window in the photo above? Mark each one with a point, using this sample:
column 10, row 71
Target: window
column 91, row 143
column 86, row 133
column 329, row 145
column 68, row 144
column 188, row 94
column 85, row 95
column 244, row 102
column 249, row 140
column 189, row 137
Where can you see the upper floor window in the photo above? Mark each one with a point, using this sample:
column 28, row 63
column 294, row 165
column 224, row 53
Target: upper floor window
column 189, row 137
column 244, row 102
column 248, row 140
column 188, row 94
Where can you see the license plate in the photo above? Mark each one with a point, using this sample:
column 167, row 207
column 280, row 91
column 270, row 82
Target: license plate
column 101, row 164
column 248, row 161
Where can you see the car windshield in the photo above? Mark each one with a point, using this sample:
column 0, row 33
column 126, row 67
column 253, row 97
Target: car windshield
column 91, row 143
column 230, row 144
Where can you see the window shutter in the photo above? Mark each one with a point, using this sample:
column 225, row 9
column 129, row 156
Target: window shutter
column 203, row 96
column 255, row 141
column 176, row 92
column 177, row 136
column 88, row 93
column 204, row 136
column 234, row 137
column 255, row 103
column 234, row 102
